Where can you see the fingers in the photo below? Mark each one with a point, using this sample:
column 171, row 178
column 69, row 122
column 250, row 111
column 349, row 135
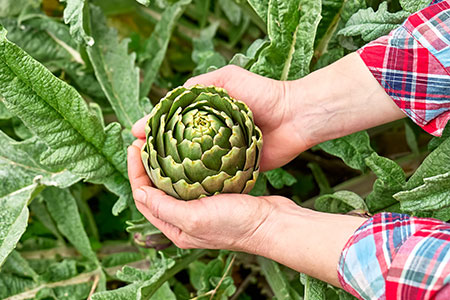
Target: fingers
column 136, row 172
column 138, row 129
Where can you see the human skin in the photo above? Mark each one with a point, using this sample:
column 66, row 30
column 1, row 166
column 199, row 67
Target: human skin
column 293, row 115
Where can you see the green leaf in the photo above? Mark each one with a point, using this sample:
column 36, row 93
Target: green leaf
column 435, row 163
column 433, row 195
column 340, row 202
column 245, row 61
column 40, row 211
column 291, row 29
column 74, row 15
column 144, row 2
column 434, row 143
column 321, row 179
column 314, row 288
column 13, row 218
column 11, row 7
column 63, row 208
column 414, row 5
column 411, row 136
column 261, row 7
column 203, row 54
column 279, row 178
column 391, row 179
column 352, row 149
column 231, row 10
column 371, row 25
column 156, row 45
column 15, row 264
column 4, row 113
column 74, row 135
column 126, row 292
column 115, row 69
column 19, row 162
column 277, row 280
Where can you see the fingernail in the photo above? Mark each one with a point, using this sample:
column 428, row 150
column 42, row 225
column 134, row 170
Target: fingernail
column 140, row 196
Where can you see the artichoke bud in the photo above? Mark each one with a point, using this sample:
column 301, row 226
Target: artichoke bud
column 201, row 142
column 157, row 241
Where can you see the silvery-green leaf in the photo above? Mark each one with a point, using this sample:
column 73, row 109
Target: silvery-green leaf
column 261, row 7
column 115, row 69
column 371, row 25
column 13, row 218
column 432, row 195
column 291, row 30
column 340, row 202
column 74, row 15
column 414, row 5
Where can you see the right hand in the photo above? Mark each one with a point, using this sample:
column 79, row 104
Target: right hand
column 270, row 101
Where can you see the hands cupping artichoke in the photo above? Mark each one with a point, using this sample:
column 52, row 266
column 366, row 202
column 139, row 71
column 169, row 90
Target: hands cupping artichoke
column 201, row 142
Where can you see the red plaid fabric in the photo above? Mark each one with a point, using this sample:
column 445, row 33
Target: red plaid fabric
column 412, row 64
column 395, row 256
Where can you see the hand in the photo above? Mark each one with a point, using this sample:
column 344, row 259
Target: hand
column 227, row 221
column 270, row 102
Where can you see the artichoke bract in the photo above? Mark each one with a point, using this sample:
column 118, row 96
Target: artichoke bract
column 201, row 142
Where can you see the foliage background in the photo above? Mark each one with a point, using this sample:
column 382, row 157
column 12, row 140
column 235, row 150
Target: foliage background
column 76, row 74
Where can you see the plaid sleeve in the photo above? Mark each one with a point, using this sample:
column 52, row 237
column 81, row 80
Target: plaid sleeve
column 412, row 64
column 395, row 256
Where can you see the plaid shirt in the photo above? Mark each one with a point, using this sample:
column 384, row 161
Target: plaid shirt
column 412, row 64
column 395, row 256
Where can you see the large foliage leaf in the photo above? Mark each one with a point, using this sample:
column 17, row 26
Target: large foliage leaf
column 63, row 208
column 115, row 69
column 340, row 202
column 13, row 218
column 74, row 15
column 371, row 25
column 74, row 135
column 433, row 195
column 414, row 5
column 291, row 29
column 154, row 56
column 204, row 54
column 352, row 149
column 261, row 7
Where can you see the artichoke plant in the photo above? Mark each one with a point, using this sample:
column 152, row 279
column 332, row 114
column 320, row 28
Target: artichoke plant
column 201, row 142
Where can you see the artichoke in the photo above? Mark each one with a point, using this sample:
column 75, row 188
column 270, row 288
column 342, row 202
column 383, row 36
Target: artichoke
column 201, row 142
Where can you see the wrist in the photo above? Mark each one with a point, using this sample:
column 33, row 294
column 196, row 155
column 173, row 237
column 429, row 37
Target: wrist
column 338, row 100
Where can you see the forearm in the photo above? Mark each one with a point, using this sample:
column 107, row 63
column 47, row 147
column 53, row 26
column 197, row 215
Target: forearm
column 307, row 241
column 339, row 99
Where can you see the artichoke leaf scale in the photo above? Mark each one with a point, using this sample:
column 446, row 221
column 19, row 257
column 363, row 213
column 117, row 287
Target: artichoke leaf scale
column 170, row 145
column 196, row 170
column 214, row 183
column 179, row 131
column 233, row 161
column 172, row 169
column 162, row 182
column 188, row 149
column 212, row 157
column 251, row 183
column 159, row 137
column 206, row 142
column 176, row 117
column 222, row 138
column 189, row 191
column 250, row 154
column 184, row 99
column 237, row 137
column 236, row 184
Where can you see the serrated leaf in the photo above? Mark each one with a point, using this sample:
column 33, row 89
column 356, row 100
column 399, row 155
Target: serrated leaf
column 277, row 280
column 291, row 30
column 279, row 178
column 371, row 25
column 391, row 179
column 63, row 208
column 13, row 218
column 352, row 149
column 433, row 195
column 115, row 69
column 15, row 264
column 261, row 7
column 19, row 162
column 74, row 15
column 156, row 45
column 121, row 258
column 414, row 5
column 314, row 288
column 74, row 135
column 340, row 202
column 436, row 163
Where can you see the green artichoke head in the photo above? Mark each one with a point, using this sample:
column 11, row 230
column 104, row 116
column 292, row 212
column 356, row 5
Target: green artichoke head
column 201, row 142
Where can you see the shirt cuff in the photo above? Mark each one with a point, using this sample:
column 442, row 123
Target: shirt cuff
column 412, row 64
column 391, row 256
